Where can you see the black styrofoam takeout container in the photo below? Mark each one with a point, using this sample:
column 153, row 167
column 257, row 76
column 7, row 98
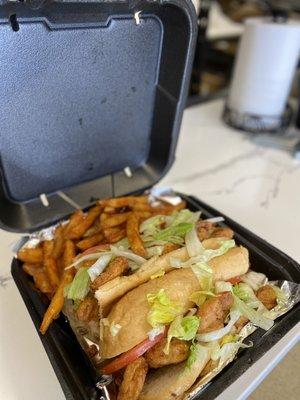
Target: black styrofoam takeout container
column 88, row 91
column 74, row 370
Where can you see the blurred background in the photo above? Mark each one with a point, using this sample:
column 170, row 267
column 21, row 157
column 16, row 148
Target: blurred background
column 221, row 24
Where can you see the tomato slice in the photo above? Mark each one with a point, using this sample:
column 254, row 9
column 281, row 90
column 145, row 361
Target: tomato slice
column 131, row 355
column 235, row 280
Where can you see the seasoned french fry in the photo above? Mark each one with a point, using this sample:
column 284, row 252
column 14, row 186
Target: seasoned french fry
column 168, row 209
column 90, row 241
column 133, row 235
column 75, row 219
column 143, row 207
column 50, row 263
column 96, row 228
column 48, row 246
column 114, row 220
column 51, row 270
column 78, row 230
column 41, row 281
column 31, row 255
column 31, row 269
column 113, row 235
column 59, row 241
column 109, row 210
column 142, row 215
column 120, row 202
column 69, row 253
column 102, row 218
column 57, row 301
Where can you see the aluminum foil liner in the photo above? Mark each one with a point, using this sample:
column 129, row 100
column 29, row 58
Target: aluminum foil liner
column 292, row 293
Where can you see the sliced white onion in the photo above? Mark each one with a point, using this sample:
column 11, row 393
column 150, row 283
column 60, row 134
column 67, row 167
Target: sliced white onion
column 91, row 256
column 96, row 269
column 256, row 317
column 155, row 332
column 254, row 279
column 128, row 254
column 215, row 220
column 216, row 335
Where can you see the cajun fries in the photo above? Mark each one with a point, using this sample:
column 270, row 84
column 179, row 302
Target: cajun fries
column 90, row 241
column 31, row 256
column 82, row 223
column 132, row 231
column 105, row 224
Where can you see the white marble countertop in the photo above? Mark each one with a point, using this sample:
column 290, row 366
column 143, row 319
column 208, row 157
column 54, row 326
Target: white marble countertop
column 260, row 188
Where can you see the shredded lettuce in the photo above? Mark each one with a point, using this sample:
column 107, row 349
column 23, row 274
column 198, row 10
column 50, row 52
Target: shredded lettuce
column 222, row 286
column 231, row 337
column 228, row 350
column 114, row 329
column 163, row 310
column 173, row 234
column 256, row 317
column 281, row 297
column 162, row 229
column 183, row 328
column 123, row 244
column 242, row 291
column 79, row 288
column 197, row 352
column 152, row 225
column 96, row 269
column 200, row 297
column 199, row 262
column 254, row 279
column 193, row 245
column 154, row 251
column 205, row 275
column 208, row 254
column 220, row 333
column 186, row 216
column 192, row 356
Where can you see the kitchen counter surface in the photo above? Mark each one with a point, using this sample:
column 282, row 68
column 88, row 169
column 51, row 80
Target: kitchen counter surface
column 258, row 187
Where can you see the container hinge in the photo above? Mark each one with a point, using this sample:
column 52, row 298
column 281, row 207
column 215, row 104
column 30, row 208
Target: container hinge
column 137, row 17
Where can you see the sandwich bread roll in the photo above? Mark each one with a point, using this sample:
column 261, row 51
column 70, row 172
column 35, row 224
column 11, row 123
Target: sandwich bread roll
column 131, row 311
column 170, row 382
column 231, row 264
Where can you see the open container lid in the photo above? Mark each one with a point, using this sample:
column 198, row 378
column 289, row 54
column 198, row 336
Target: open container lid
column 88, row 90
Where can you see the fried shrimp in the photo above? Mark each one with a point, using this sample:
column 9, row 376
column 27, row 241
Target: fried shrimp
column 178, row 352
column 133, row 380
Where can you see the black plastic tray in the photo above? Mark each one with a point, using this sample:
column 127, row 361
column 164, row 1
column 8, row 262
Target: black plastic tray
column 73, row 368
